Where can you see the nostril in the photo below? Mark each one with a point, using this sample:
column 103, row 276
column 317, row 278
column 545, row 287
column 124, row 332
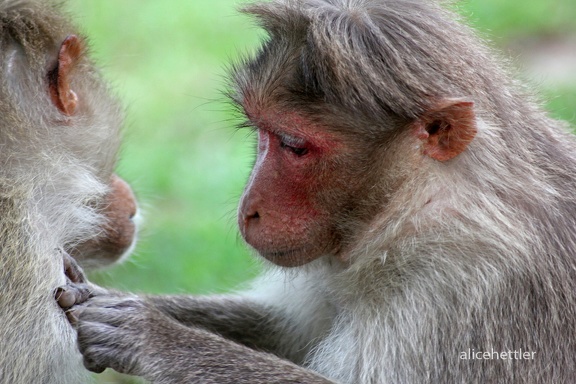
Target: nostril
column 251, row 215
column 249, row 209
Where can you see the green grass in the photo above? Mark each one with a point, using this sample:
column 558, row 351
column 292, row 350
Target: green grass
column 167, row 62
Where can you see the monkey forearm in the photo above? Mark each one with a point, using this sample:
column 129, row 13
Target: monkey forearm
column 218, row 360
column 132, row 336
column 233, row 317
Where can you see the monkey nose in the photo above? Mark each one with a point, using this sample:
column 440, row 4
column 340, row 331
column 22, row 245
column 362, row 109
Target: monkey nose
column 249, row 210
column 251, row 215
column 124, row 193
column 248, row 215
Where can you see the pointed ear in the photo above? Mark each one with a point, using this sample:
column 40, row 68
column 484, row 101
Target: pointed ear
column 447, row 129
column 62, row 96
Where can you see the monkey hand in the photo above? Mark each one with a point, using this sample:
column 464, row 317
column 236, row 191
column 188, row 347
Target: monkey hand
column 76, row 290
column 74, row 273
column 119, row 331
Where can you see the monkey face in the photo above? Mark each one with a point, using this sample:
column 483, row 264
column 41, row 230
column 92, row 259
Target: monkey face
column 289, row 209
column 82, row 112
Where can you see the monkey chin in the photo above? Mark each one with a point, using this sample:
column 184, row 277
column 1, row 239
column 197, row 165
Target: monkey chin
column 291, row 258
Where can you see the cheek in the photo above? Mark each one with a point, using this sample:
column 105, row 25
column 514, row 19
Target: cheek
column 292, row 196
column 281, row 187
column 278, row 202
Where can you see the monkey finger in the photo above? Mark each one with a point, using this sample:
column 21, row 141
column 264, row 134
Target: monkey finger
column 103, row 299
column 92, row 366
column 72, row 270
column 72, row 316
column 99, row 344
column 105, row 317
column 96, row 290
column 70, row 295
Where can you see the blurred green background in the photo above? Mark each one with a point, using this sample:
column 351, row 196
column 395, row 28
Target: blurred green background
column 167, row 62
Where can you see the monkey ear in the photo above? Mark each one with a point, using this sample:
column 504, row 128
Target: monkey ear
column 63, row 97
column 447, row 129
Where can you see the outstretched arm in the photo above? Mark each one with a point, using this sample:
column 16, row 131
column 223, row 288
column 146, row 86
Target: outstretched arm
column 129, row 334
column 233, row 317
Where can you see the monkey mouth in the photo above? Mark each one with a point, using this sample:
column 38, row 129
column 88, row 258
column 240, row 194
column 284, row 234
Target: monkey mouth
column 288, row 257
column 281, row 253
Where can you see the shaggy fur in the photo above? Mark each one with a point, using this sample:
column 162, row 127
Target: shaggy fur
column 53, row 173
column 489, row 262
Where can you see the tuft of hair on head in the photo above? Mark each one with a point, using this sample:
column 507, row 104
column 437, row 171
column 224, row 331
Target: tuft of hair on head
column 370, row 58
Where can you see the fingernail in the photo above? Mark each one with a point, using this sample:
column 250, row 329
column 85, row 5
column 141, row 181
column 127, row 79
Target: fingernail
column 72, row 318
column 59, row 291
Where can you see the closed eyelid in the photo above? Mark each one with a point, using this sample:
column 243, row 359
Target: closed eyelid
column 291, row 140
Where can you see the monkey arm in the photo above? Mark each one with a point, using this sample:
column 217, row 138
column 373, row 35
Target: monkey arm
column 273, row 316
column 132, row 336
column 234, row 317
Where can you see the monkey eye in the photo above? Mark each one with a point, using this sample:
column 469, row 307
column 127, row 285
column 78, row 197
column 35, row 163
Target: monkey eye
column 295, row 145
column 298, row 151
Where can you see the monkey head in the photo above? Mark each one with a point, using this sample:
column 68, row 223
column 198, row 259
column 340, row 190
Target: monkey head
column 60, row 139
column 311, row 189
column 117, row 207
column 331, row 154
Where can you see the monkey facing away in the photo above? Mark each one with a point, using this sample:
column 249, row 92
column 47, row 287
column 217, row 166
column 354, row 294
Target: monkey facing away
column 59, row 136
column 416, row 208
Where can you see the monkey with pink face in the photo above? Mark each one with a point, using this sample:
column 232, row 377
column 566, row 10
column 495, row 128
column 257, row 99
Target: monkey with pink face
column 413, row 205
